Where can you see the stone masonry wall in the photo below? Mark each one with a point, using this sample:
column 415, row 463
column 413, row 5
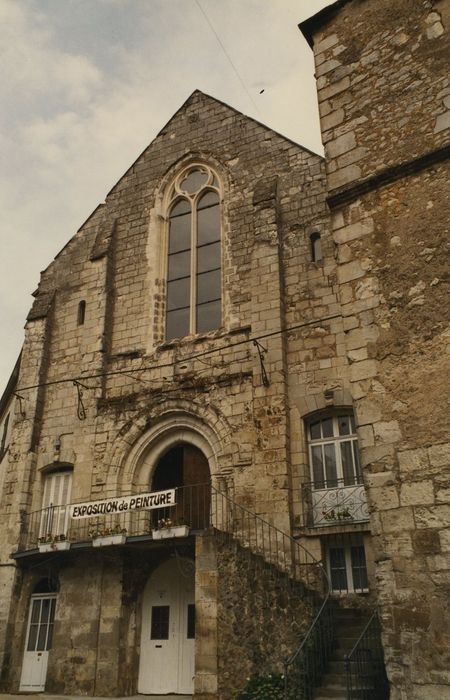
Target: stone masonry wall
column 383, row 85
column 114, row 264
column 260, row 618
column 383, row 90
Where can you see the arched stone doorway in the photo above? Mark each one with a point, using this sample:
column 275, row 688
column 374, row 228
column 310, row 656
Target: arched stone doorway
column 185, row 468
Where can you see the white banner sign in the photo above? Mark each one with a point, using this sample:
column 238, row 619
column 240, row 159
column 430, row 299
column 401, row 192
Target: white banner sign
column 158, row 499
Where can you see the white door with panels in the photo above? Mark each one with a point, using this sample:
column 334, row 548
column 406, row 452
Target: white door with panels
column 38, row 642
column 168, row 631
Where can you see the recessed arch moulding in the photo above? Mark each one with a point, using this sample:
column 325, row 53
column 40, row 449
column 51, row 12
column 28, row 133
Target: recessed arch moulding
column 136, row 453
column 157, row 242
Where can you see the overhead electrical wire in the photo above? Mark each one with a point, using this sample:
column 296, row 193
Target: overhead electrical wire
column 173, row 363
column 227, row 55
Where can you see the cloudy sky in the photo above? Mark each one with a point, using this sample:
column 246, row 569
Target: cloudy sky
column 87, row 84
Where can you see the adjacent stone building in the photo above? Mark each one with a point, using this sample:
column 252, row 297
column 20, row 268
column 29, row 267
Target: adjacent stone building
column 230, row 412
column 383, row 84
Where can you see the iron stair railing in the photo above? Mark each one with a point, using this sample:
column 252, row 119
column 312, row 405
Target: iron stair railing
column 366, row 673
column 201, row 507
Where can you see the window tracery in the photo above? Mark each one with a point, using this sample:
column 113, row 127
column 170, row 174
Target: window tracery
column 194, row 280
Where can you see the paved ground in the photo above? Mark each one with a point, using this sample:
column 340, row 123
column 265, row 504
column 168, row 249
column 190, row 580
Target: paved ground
column 44, row 696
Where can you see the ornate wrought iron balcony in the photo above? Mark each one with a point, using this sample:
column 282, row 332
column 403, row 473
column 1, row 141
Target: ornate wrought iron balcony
column 334, row 502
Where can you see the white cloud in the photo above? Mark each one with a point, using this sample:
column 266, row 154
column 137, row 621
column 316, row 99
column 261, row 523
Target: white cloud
column 78, row 113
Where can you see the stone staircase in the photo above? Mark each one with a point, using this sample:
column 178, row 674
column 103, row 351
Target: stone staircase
column 348, row 626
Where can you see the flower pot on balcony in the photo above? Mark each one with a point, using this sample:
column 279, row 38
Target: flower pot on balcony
column 167, row 532
column 54, row 546
column 106, row 540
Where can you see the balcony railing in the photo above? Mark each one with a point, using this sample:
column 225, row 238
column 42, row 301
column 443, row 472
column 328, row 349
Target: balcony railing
column 334, row 502
column 53, row 524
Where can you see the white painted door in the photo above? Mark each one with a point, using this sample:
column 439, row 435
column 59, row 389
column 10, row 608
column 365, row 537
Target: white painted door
column 168, row 631
column 38, row 642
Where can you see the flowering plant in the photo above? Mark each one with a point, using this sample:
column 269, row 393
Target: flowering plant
column 107, row 531
column 50, row 538
column 164, row 523
column 341, row 514
column 269, row 687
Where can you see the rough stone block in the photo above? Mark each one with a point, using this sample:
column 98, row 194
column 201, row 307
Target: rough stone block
column 410, row 460
column 426, row 542
column 397, row 519
column 387, row 432
column 432, row 517
column 417, row 493
column 439, row 455
column 343, row 176
column 350, row 271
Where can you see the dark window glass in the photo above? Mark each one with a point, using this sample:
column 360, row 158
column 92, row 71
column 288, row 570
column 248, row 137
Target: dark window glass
column 208, row 225
column 344, row 425
column 327, row 427
column 35, row 611
column 337, row 569
column 357, row 463
column 315, row 430
column 181, row 207
column 180, row 233
column 208, row 286
column 205, row 290
column 81, row 313
column 347, row 463
column 330, row 465
column 45, row 610
column 208, row 200
column 209, row 316
column 194, row 181
column 316, row 247
column 160, row 622
column 32, row 638
column 317, row 466
column 178, row 292
column 177, row 323
column 42, row 638
column 191, row 621
column 179, row 265
column 359, row 569
column 208, row 257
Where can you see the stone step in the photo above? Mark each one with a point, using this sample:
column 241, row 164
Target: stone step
column 331, row 678
column 331, row 692
column 336, row 666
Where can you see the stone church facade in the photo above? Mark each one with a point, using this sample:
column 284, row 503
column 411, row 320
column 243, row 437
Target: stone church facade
column 228, row 420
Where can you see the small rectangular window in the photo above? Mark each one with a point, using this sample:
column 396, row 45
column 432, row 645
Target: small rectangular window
column 338, row 569
column 191, row 621
column 160, row 622
column 359, row 568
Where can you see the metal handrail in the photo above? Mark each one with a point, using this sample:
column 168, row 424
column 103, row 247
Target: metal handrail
column 367, row 656
column 312, row 655
column 203, row 506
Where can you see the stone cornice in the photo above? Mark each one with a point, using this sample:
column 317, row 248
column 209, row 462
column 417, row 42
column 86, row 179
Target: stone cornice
column 387, row 176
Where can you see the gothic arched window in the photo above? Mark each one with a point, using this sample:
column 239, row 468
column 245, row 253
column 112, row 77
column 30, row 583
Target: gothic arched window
column 194, row 282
